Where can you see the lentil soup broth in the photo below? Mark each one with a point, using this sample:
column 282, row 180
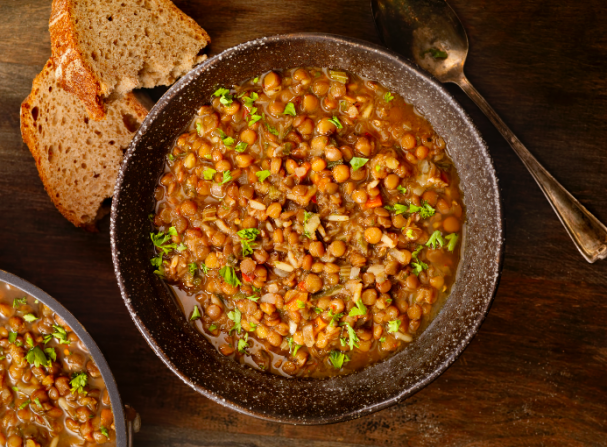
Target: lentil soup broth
column 52, row 393
column 309, row 222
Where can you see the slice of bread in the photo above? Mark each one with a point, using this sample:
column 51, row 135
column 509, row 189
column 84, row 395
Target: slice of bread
column 77, row 158
column 115, row 46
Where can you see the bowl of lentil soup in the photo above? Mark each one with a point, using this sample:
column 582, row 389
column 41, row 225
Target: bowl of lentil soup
column 57, row 389
column 330, row 257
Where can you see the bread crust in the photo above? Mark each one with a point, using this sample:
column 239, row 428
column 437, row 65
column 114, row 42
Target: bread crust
column 72, row 69
column 29, row 135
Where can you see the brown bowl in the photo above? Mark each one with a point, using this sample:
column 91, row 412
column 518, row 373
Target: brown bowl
column 305, row 401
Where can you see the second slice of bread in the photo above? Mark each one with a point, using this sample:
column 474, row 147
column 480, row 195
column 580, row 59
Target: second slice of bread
column 77, row 158
column 115, row 46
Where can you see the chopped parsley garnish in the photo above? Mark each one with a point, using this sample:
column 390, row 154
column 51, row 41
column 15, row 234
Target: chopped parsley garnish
column 199, row 128
column 12, row 336
column 397, row 208
column 196, row 314
column 436, row 240
column 24, row 404
column 290, row 109
column 307, row 216
column 425, row 211
column 212, row 327
column 262, row 175
column 435, row 53
column 38, row 402
column 394, row 325
column 334, row 317
column 352, row 337
column 359, row 310
column 192, row 268
column 338, row 359
column 249, row 100
column 241, row 147
column 247, row 237
column 19, row 301
column 227, row 176
column 293, row 347
column 30, row 317
column 452, row 238
column 78, row 382
column 29, row 341
column 51, row 354
column 104, row 432
column 402, row 189
column 224, row 96
column 301, row 304
column 243, row 343
column 236, row 316
column 252, row 327
column 388, row 97
column 229, row 276
column 253, row 118
column 418, row 266
column 253, row 298
column 204, row 269
column 335, row 120
column 171, row 157
column 209, row 173
column 358, row 162
column 272, row 129
column 36, row 357
column 60, row 334
column 409, row 233
column 382, row 340
column 228, row 141
column 339, row 76
column 256, row 80
column 160, row 241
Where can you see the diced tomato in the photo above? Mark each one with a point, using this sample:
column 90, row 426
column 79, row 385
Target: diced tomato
column 247, row 278
column 301, row 286
column 374, row 202
column 314, row 199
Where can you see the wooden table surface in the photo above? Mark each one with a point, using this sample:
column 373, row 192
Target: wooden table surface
column 535, row 374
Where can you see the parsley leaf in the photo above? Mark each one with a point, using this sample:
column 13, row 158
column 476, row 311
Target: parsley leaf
column 249, row 100
column 243, row 343
column 104, row 432
column 12, row 336
column 301, row 304
column 262, row 175
column 253, row 298
column 78, row 382
column 36, row 357
column 209, row 173
column 60, row 334
column 436, row 240
column 253, row 118
column 192, row 268
column 290, row 109
column 418, row 266
column 24, row 404
column 241, row 147
column 224, row 96
column 198, row 128
column 236, row 316
column 334, row 317
column 359, row 310
column 358, row 162
column 388, row 97
column 247, row 237
column 352, row 337
column 228, row 141
column 382, row 340
column 38, row 402
column 402, row 189
column 338, row 359
column 52, row 355
column 204, row 269
column 293, row 347
column 335, row 120
column 212, row 327
column 452, row 238
column 425, row 211
column 196, row 314
column 394, row 325
column 30, row 317
column 397, row 208
column 227, row 176
column 19, row 301
column 229, row 276
column 435, row 53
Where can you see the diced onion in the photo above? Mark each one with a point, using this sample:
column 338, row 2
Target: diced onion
column 354, row 272
column 292, row 327
column 308, row 335
column 284, row 266
column 398, row 255
column 312, row 224
column 293, row 260
column 338, row 218
column 388, row 241
column 404, row 337
column 269, row 298
column 222, row 226
column 379, row 271
column 257, row 205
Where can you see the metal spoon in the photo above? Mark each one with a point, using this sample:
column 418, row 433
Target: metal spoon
column 429, row 33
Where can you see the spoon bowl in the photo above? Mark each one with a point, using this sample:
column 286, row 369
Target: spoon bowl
column 429, row 33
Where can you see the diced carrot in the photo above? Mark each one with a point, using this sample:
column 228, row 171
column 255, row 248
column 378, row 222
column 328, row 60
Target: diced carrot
column 301, row 286
column 247, row 278
column 319, row 325
column 374, row 202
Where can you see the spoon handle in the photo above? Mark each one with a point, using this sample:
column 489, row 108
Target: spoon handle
column 587, row 232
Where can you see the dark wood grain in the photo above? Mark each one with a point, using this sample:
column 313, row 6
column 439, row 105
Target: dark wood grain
column 536, row 373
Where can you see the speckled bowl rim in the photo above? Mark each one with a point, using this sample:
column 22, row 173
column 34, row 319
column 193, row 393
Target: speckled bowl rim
column 471, row 330
column 85, row 337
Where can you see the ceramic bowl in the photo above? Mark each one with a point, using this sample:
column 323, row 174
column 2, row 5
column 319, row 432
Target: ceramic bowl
column 305, row 401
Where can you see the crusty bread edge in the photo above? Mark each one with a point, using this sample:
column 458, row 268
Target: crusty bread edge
column 29, row 137
column 83, row 83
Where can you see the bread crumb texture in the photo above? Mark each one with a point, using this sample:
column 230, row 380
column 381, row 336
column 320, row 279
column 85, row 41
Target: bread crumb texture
column 115, row 46
column 77, row 158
